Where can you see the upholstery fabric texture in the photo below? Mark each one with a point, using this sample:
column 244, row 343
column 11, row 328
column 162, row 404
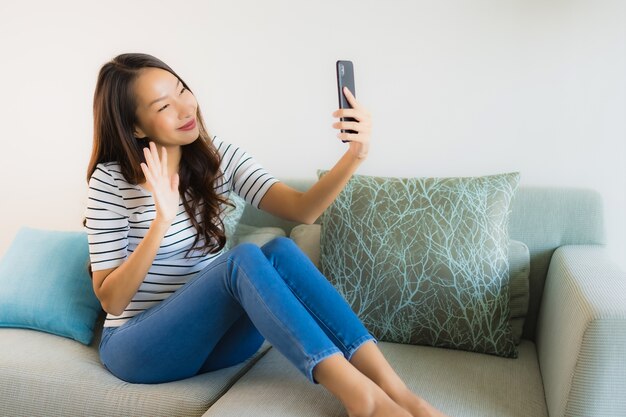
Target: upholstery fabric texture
column 45, row 375
column 545, row 218
column 45, row 285
column 425, row 260
column 581, row 338
column 459, row 383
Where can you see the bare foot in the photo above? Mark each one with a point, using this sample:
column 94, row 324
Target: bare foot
column 418, row 407
column 379, row 405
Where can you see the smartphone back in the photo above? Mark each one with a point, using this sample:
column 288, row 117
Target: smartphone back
column 345, row 78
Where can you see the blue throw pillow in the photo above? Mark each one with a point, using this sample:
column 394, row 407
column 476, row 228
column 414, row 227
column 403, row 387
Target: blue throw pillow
column 45, row 285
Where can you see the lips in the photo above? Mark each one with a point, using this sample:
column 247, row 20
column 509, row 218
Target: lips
column 188, row 126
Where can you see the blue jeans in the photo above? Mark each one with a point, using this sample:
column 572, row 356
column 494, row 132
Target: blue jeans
column 222, row 315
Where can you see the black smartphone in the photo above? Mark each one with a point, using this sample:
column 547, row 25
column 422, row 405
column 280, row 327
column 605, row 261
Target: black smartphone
column 345, row 78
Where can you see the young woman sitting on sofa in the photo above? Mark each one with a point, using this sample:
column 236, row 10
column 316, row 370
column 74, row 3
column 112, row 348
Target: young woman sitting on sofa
column 177, row 307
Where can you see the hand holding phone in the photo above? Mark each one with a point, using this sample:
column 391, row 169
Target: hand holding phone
column 345, row 78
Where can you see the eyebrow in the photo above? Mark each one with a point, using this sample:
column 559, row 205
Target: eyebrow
column 164, row 97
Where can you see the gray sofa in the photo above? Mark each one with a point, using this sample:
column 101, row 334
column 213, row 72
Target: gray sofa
column 572, row 357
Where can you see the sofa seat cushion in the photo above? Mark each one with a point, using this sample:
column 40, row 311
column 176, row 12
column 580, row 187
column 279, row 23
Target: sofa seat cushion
column 460, row 383
column 48, row 375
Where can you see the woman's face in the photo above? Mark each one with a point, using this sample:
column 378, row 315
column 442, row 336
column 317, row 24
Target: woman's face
column 164, row 105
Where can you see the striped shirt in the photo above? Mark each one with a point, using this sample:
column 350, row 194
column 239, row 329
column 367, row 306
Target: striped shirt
column 119, row 214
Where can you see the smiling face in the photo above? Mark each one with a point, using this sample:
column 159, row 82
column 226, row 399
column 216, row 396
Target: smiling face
column 164, row 105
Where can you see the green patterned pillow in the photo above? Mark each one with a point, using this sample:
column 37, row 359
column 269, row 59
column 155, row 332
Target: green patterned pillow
column 424, row 260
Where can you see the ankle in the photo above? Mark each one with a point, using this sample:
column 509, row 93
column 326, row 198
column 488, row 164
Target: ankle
column 345, row 382
column 366, row 399
column 363, row 402
column 409, row 400
column 393, row 387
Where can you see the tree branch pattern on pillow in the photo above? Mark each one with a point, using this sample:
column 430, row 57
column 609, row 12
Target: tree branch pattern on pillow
column 424, row 260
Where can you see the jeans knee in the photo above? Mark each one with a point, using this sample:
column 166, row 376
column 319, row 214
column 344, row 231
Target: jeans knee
column 245, row 249
column 278, row 244
column 246, row 253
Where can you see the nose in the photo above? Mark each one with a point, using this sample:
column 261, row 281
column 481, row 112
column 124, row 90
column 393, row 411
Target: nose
column 186, row 113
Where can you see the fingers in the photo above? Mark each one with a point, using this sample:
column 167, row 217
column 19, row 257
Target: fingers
column 147, row 174
column 352, row 137
column 345, row 113
column 362, row 119
column 356, row 113
column 155, row 157
column 348, row 126
column 356, row 123
column 147, row 152
column 157, row 165
column 351, row 98
column 164, row 162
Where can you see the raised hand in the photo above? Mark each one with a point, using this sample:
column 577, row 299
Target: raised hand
column 360, row 141
column 164, row 187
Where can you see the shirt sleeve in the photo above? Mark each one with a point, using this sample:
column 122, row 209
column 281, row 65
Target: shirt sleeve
column 106, row 221
column 243, row 174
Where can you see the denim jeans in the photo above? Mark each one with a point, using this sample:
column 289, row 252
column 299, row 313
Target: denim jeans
column 221, row 316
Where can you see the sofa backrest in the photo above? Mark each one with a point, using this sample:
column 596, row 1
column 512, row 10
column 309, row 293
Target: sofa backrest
column 544, row 218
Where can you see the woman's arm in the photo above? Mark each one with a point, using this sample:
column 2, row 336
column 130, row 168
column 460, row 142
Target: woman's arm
column 291, row 204
column 115, row 288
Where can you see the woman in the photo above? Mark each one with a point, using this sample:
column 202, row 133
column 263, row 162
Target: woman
column 177, row 303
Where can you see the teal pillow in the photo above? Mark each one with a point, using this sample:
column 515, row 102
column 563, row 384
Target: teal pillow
column 424, row 260
column 45, row 285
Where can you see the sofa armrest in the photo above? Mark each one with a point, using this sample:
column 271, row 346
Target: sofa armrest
column 581, row 334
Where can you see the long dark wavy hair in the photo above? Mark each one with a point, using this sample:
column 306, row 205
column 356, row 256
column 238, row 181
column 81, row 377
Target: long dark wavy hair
column 114, row 118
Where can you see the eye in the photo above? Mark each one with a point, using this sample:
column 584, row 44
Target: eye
column 181, row 91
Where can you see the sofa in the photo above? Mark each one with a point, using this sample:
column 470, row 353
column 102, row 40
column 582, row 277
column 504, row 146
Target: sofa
column 571, row 362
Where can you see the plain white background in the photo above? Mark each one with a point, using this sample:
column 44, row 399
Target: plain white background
column 456, row 88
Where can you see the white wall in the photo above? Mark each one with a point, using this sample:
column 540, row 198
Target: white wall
column 455, row 88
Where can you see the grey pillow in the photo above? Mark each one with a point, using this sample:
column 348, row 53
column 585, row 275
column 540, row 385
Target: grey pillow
column 424, row 260
column 254, row 234
column 307, row 237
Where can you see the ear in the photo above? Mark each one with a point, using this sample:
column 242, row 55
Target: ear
column 138, row 133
